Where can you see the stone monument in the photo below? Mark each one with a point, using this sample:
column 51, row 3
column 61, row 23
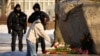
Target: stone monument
column 79, row 17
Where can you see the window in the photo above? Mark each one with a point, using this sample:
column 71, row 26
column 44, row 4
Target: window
column 26, row 5
column 12, row 5
column 41, row 5
column 21, row 4
column 31, row 5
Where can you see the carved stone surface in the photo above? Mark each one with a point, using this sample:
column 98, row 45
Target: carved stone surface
column 79, row 18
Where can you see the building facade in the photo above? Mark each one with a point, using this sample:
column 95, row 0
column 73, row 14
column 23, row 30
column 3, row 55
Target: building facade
column 26, row 5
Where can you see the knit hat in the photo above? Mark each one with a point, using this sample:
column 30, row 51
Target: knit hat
column 17, row 5
column 36, row 6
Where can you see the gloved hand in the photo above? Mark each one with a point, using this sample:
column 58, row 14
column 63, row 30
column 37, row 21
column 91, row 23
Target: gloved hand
column 9, row 31
column 52, row 42
column 24, row 31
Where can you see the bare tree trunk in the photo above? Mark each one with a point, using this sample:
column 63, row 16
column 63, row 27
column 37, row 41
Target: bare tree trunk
column 58, row 36
column 3, row 9
column 24, row 5
column 3, row 12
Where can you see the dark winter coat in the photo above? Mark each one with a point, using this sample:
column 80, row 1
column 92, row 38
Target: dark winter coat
column 17, row 21
column 38, row 15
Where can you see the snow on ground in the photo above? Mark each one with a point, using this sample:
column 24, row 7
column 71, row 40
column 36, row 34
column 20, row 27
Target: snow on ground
column 5, row 41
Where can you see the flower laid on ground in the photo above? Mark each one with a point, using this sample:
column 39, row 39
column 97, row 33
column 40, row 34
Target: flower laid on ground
column 56, row 45
column 63, row 50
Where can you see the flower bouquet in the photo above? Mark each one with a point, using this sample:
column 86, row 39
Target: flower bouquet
column 62, row 50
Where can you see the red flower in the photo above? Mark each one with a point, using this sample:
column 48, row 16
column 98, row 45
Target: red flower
column 55, row 46
column 63, row 53
column 45, row 52
column 53, row 52
column 73, row 49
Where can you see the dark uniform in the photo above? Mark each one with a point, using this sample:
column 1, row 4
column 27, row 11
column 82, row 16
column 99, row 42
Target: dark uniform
column 17, row 25
column 34, row 16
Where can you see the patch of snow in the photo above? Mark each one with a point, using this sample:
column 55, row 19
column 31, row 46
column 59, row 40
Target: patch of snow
column 5, row 42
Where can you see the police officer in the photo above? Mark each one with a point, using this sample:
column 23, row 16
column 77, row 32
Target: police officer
column 34, row 16
column 17, row 25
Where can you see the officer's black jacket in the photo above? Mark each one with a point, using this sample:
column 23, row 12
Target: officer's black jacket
column 37, row 15
column 17, row 21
